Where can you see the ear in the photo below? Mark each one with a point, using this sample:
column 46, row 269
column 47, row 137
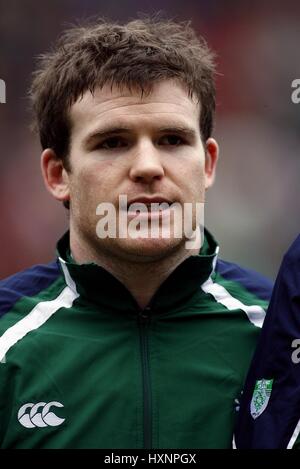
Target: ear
column 55, row 176
column 211, row 159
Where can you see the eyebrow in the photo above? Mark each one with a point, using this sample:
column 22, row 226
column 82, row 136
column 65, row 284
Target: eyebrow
column 104, row 133
column 188, row 132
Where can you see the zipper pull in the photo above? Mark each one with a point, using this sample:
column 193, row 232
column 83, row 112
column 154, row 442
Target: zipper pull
column 145, row 314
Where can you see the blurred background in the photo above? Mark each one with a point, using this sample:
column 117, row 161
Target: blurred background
column 253, row 209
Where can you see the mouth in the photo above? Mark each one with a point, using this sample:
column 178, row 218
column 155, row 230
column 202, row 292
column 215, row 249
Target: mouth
column 145, row 206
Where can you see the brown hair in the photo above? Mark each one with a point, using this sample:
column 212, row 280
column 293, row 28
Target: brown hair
column 135, row 55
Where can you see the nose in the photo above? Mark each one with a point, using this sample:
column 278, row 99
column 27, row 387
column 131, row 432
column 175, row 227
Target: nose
column 146, row 164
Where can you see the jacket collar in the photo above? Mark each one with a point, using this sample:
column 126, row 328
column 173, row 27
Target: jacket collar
column 99, row 286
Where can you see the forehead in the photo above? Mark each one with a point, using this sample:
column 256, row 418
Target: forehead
column 168, row 103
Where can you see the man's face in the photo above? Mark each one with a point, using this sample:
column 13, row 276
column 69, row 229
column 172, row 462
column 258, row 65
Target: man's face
column 148, row 148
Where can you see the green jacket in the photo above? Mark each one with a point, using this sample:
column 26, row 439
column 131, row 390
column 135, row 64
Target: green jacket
column 83, row 367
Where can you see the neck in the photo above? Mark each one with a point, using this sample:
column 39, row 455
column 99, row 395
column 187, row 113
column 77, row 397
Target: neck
column 142, row 279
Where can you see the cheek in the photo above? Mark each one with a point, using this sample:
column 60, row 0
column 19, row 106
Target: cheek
column 191, row 179
column 94, row 185
column 82, row 191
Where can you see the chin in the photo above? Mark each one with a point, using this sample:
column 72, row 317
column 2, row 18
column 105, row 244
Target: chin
column 149, row 248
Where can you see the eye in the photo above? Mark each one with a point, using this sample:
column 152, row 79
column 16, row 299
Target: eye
column 113, row 143
column 172, row 140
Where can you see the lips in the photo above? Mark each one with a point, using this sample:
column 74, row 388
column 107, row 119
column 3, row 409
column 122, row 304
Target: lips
column 161, row 207
column 148, row 201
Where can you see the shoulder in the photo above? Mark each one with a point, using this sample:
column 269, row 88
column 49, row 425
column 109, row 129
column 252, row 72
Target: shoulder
column 27, row 283
column 287, row 285
column 250, row 280
column 293, row 253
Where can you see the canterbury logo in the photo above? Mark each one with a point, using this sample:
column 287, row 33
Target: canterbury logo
column 39, row 415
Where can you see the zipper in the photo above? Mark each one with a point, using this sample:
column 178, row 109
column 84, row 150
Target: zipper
column 144, row 321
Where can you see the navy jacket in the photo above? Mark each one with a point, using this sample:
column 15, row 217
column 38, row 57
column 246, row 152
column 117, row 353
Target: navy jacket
column 269, row 415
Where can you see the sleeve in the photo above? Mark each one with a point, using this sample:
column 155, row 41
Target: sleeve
column 270, row 408
column 6, row 401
